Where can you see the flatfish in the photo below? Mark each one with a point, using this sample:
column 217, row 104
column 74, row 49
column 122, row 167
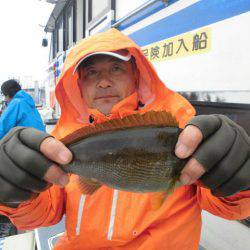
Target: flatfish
column 135, row 154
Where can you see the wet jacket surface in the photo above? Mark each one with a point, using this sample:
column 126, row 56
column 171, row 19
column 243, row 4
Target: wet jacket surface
column 21, row 111
column 112, row 219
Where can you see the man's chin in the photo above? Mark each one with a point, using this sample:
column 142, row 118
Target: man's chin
column 105, row 110
column 106, row 106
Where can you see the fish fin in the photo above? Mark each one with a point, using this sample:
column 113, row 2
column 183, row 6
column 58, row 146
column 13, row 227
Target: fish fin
column 158, row 199
column 87, row 186
column 150, row 118
column 173, row 185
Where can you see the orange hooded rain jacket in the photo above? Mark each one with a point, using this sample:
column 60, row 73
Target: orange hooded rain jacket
column 112, row 219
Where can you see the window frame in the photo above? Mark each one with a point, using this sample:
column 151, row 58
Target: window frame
column 91, row 23
column 71, row 4
column 55, row 38
column 59, row 21
column 92, row 20
column 54, row 43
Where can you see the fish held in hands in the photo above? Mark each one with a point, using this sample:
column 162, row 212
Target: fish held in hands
column 135, row 154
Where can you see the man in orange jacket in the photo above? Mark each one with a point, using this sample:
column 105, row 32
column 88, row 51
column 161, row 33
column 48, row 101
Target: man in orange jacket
column 106, row 76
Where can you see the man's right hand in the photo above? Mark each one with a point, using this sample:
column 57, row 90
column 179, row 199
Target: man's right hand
column 29, row 164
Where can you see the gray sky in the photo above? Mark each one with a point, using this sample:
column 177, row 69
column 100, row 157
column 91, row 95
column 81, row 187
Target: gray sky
column 22, row 54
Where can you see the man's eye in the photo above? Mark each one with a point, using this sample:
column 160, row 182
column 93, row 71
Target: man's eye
column 91, row 73
column 116, row 68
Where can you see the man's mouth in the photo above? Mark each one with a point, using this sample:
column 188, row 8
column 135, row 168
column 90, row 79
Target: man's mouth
column 105, row 97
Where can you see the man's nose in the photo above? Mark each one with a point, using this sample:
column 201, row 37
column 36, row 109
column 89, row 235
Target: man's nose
column 104, row 81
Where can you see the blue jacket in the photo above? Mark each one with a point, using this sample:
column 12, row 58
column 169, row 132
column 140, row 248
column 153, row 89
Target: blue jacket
column 21, row 111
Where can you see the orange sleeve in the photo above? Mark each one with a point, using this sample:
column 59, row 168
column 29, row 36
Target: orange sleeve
column 235, row 207
column 45, row 210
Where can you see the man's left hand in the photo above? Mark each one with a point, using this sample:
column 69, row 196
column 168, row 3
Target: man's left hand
column 219, row 152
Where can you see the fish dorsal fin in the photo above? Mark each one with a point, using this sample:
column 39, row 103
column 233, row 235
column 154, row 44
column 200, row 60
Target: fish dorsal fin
column 150, row 118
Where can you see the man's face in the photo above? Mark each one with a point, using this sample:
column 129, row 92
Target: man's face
column 7, row 98
column 105, row 81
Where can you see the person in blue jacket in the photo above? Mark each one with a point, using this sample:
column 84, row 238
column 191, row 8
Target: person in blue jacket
column 20, row 110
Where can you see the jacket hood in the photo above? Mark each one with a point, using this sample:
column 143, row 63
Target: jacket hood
column 151, row 91
column 22, row 95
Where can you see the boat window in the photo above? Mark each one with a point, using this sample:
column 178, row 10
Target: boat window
column 69, row 22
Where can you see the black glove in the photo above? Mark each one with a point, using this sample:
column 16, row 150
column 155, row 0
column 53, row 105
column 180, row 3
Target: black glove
column 22, row 166
column 224, row 153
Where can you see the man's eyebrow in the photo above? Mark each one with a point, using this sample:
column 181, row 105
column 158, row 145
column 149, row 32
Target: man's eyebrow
column 114, row 59
column 88, row 64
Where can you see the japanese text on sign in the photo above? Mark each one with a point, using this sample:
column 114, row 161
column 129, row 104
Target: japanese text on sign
column 184, row 45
